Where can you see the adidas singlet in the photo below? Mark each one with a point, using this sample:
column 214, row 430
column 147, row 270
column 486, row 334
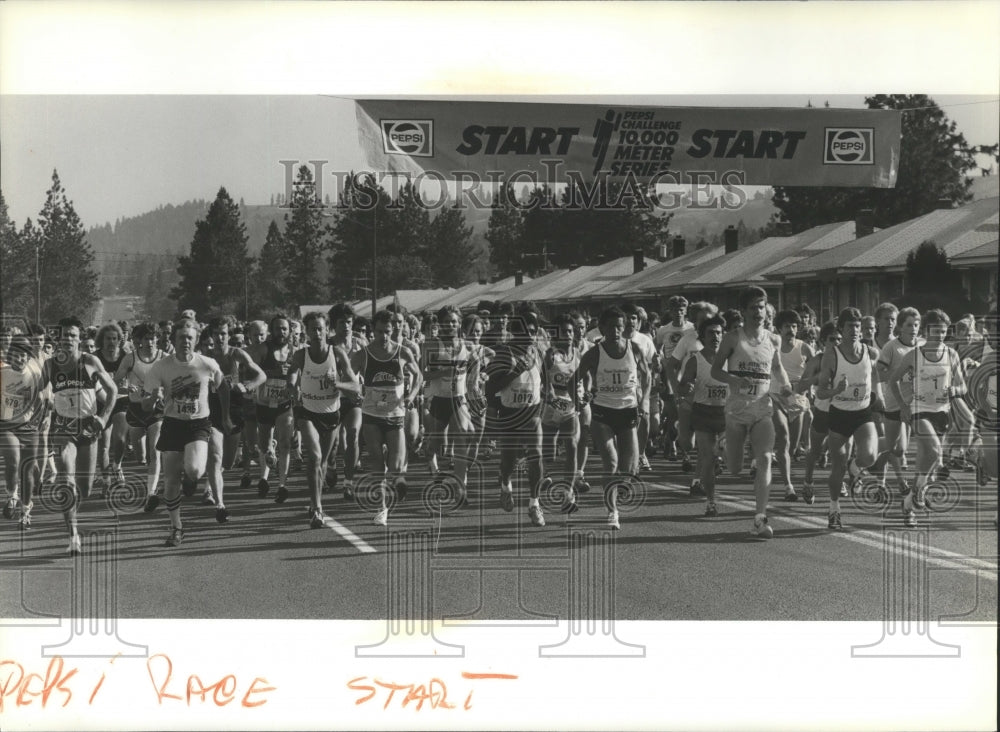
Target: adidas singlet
column 318, row 383
column 858, row 394
column 617, row 379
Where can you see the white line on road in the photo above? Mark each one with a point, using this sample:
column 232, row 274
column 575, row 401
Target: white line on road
column 360, row 544
column 941, row 557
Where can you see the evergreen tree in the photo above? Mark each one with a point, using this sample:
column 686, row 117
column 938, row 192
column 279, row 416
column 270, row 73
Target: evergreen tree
column 270, row 292
column 212, row 275
column 66, row 261
column 17, row 275
column 505, row 232
column 362, row 221
column 931, row 282
column 306, row 241
column 934, row 162
column 451, row 254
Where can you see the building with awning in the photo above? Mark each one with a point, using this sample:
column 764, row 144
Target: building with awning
column 470, row 295
column 871, row 269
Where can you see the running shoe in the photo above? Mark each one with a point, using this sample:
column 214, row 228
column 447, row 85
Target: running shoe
column 808, row 494
column 152, row 501
column 696, row 490
column 535, row 514
column 263, row 487
column 919, row 497
column 761, row 528
column 246, row 481
column 910, row 518
column 317, row 520
column 582, row 486
column 188, row 487
column 613, row 521
column 24, row 521
column 644, row 463
column 507, row 500
column 711, row 510
column 207, row 499
column 75, row 547
column 570, row 506
column 221, row 514
column 834, row 524
column 844, row 493
column 686, row 465
column 348, row 491
column 271, row 459
column 381, row 518
column 823, row 460
column 8, row 509
column 719, row 465
column 790, row 495
column 175, row 538
column 119, row 476
column 855, row 476
column 282, row 495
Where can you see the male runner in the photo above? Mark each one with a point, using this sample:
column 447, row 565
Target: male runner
column 275, row 421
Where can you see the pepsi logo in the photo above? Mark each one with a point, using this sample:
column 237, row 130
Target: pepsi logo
column 408, row 137
column 848, row 146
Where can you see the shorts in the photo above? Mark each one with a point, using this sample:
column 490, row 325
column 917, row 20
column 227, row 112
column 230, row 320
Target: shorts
column 617, row 419
column 121, row 406
column 139, row 418
column 517, row 420
column 821, row 421
column 708, row 418
column 940, row 421
column 324, row 422
column 68, row 431
column 893, row 416
column 177, row 433
column 555, row 418
column 443, row 408
column 845, row 422
column 748, row 413
column 346, row 407
column 268, row 416
column 215, row 414
column 385, row 425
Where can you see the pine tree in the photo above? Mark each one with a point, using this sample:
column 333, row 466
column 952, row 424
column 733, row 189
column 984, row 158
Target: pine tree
column 306, row 240
column 451, row 255
column 505, row 232
column 212, row 276
column 16, row 275
column 270, row 292
column 66, row 261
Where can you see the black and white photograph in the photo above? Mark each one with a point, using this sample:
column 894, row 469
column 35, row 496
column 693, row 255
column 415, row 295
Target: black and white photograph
column 358, row 384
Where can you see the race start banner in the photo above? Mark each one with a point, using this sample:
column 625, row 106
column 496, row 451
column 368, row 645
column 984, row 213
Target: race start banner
column 493, row 141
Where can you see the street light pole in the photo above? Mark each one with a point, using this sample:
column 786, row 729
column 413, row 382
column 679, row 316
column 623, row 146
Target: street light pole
column 375, row 260
column 38, row 284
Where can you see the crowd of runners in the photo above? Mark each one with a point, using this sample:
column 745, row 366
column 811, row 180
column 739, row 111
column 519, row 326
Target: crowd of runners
column 747, row 389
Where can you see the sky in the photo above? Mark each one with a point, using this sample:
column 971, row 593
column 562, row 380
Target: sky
column 173, row 137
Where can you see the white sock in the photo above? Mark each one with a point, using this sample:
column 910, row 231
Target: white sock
column 532, row 502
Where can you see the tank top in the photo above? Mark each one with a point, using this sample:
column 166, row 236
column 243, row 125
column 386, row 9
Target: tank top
column 272, row 392
column 74, row 393
column 111, row 366
column 137, row 372
column 560, row 376
column 752, row 361
column 526, row 389
column 384, row 394
column 617, row 379
column 21, row 398
column 318, row 383
column 932, row 382
column 890, row 356
column 794, row 362
column 707, row 390
column 858, row 394
column 439, row 355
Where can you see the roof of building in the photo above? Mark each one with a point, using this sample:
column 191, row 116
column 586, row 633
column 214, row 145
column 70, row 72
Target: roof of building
column 751, row 263
column 584, row 281
column 471, row 294
column 955, row 230
column 414, row 300
column 527, row 290
column 657, row 273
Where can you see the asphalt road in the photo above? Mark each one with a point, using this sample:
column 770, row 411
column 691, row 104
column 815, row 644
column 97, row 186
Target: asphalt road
column 668, row 562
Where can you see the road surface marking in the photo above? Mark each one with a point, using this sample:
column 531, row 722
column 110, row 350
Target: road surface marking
column 360, row 544
column 941, row 557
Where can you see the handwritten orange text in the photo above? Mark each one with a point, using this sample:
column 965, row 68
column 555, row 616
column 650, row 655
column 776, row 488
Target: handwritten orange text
column 434, row 693
column 196, row 691
column 21, row 688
